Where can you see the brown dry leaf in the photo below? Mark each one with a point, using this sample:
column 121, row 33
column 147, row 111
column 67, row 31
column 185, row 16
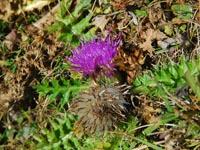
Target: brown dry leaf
column 150, row 114
column 119, row 4
column 11, row 8
column 122, row 4
column 47, row 19
column 11, row 36
column 130, row 63
column 124, row 21
column 149, row 36
column 146, row 46
column 5, row 11
column 149, row 110
column 37, row 5
column 100, row 21
column 155, row 17
column 4, row 103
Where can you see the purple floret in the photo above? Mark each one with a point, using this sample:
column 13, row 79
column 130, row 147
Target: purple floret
column 94, row 57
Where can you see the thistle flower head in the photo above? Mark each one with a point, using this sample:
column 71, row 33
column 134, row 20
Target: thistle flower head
column 94, row 57
column 100, row 108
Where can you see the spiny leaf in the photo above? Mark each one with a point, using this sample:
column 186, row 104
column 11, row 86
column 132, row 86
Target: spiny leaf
column 170, row 76
column 78, row 28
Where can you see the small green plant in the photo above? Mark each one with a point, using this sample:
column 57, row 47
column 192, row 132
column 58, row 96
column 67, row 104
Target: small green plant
column 63, row 89
column 18, row 130
column 57, row 136
column 182, row 11
column 72, row 26
column 168, row 76
column 142, row 13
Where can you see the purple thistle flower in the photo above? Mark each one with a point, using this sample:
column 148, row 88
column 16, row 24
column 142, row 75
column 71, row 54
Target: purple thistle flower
column 95, row 56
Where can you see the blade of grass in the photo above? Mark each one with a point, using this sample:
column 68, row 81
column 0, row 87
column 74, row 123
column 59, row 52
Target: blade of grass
column 148, row 144
column 167, row 118
column 163, row 95
column 191, row 81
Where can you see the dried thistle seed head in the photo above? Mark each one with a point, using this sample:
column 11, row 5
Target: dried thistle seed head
column 100, row 108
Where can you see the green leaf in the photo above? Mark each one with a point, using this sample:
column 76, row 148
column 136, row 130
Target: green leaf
column 64, row 7
column 191, row 81
column 168, row 30
column 183, row 11
column 54, row 124
column 80, row 7
column 78, row 28
column 183, row 28
column 6, row 63
column 167, row 77
column 39, row 138
column 72, row 25
column 139, row 12
column 55, row 83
